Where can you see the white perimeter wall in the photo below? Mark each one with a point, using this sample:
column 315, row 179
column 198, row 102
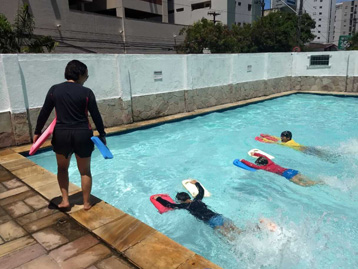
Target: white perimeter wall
column 26, row 78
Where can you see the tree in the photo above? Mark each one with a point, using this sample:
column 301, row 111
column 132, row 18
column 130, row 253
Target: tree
column 277, row 32
column 20, row 38
column 353, row 42
column 205, row 34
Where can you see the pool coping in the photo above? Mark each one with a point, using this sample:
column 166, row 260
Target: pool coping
column 141, row 244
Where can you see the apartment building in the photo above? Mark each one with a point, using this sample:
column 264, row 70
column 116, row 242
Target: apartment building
column 228, row 12
column 283, row 4
column 346, row 20
column 323, row 12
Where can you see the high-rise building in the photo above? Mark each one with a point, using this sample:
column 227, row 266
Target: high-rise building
column 283, row 4
column 228, row 12
column 322, row 12
column 346, row 20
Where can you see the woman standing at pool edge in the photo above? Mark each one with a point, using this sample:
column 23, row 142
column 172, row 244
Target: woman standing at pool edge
column 73, row 132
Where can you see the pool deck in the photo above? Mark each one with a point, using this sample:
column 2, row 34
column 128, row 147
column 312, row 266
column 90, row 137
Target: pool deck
column 34, row 234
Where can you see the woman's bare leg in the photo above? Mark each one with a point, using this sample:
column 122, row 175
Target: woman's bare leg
column 84, row 167
column 62, row 178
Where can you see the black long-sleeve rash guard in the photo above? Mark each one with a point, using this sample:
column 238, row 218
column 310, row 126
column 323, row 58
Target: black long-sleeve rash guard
column 71, row 101
column 197, row 208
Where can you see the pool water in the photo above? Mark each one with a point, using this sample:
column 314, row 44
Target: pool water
column 318, row 226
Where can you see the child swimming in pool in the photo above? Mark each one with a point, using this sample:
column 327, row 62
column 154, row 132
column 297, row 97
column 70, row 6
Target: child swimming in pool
column 200, row 210
column 294, row 176
column 286, row 140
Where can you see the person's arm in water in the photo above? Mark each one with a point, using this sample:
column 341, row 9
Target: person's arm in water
column 200, row 195
column 252, row 165
column 165, row 203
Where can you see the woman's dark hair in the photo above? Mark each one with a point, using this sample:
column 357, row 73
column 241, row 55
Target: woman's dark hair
column 261, row 161
column 287, row 134
column 74, row 70
column 182, row 196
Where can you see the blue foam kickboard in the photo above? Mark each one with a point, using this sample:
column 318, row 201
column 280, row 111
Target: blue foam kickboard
column 106, row 153
column 238, row 163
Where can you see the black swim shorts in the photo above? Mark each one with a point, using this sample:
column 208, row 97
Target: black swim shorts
column 66, row 142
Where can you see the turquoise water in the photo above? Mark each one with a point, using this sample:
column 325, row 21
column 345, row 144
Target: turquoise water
column 318, row 226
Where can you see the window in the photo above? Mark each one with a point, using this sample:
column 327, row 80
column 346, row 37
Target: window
column 319, row 31
column 321, row 0
column 239, row 4
column 180, row 9
column 249, row 7
column 319, row 25
column 319, row 19
column 320, row 7
column 319, row 60
column 201, row 5
column 320, row 13
column 318, row 38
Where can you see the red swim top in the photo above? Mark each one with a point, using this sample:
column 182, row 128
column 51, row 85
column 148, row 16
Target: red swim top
column 270, row 167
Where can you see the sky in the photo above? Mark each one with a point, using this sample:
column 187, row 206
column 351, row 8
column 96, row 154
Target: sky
column 267, row 2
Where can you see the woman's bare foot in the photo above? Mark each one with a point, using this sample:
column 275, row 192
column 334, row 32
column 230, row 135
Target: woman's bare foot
column 87, row 206
column 64, row 205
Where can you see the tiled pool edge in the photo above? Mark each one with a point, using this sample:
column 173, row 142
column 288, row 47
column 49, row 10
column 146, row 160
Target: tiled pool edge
column 142, row 245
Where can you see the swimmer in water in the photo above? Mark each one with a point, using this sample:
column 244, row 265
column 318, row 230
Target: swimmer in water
column 266, row 164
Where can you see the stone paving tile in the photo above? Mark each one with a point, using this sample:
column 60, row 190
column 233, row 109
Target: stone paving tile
column 89, row 218
column 2, row 188
column 124, row 232
column 87, row 257
column 51, row 191
column 114, row 262
column 198, row 262
column 5, row 218
column 16, row 244
column 10, row 157
column 70, row 229
column 5, row 175
column 17, row 209
column 50, row 238
column 92, row 267
column 6, row 152
column 13, row 183
column 43, row 262
column 44, row 222
column 158, row 251
column 18, row 164
column 1, row 241
column 73, row 248
column 36, row 202
column 21, row 257
column 36, row 176
column 35, row 215
column 11, row 230
column 17, row 197
column 13, row 192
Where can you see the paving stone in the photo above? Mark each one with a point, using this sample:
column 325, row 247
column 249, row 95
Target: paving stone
column 35, row 215
column 5, row 218
column 6, row 152
column 2, row 212
column 5, row 175
column 45, row 222
column 92, row 267
column 13, row 192
column 198, row 262
column 36, row 202
column 50, row 238
column 87, row 257
column 158, row 251
column 70, row 229
column 16, row 244
column 17, row 197
column 17, row 209
column 1, row 241
column 73, row 248
column 90, row 219
column 45, row 262
column 114, row 262
column 18, row 164
column 36, row 176
column 124, row 232
column 22, row 256
column 11, row 230
column 13, row 183
column 49, row 191
column 2, row 188
column 10, row 157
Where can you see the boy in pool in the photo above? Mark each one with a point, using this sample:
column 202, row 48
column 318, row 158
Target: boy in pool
column 294, row 176
column 200, row 210
column 286, row 140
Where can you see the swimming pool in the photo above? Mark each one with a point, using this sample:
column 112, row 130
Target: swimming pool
column 318, row 225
